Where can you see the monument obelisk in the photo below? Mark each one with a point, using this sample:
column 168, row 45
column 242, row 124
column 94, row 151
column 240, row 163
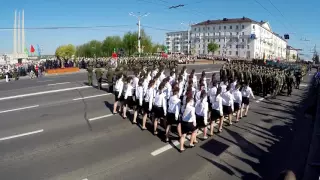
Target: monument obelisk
column 19, row 35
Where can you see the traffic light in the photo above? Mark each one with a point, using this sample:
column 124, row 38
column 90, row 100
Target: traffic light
column 286, row 36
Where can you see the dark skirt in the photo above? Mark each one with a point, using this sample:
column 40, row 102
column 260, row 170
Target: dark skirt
column 116, row 94
column 171, row 119
column 158, row 112
column 227, row 110
column 128, row 101
column 245, row 101
column 187, row 127
column 236, row 106
column 200, row 121
column 215, row 114
column 146, row 107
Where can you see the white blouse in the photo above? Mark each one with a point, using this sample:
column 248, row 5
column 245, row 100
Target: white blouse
column 139, row 94
column 174, row 106
column 189, row 114
column 237, row 96
column 217, row 104
column 247, row 92
column 201, row 109
column 129, row 91
column 119, row 86
column 227, row 99
column 161, row 101
column 149, row 97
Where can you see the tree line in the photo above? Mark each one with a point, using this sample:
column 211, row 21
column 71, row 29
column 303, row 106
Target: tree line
column 128, row 44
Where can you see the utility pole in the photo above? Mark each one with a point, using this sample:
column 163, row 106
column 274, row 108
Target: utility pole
column 139, row 16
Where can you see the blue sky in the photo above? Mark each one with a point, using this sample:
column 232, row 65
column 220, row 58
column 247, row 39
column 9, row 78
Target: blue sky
column 298, row 18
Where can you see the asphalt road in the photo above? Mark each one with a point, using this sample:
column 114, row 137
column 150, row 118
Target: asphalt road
column 63, row 129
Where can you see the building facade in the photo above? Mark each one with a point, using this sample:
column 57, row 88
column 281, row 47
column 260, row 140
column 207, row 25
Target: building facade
column 240, row 37
column 177, row 42
column 292, row 53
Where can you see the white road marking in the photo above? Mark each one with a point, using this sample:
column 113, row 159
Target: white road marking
column 46, row 92
column 85, row 179
column 210, row 72
column 44, row 81
column 88, row 97
column 174, row 143
column 58, row 83
column 20, row 135
column 18, row 109
column 100, row 117
column 303, row 85
column 259, row 100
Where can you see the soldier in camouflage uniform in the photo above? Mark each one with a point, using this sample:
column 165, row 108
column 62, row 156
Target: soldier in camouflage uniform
column 90, row 73
column 99, row 74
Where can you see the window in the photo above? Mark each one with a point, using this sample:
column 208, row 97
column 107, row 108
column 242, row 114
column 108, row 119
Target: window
column 242, row 26
column 242, row 47
column 219, row 27
column 237, row 27
column 204, row 28
column 242, row 40
column 230, row 52
column 219, row 34
column 237, row 33
column 213, row 28
column 208, row 28
column 218, row 52
column 230, row 40
column 219, row 45
column 242, row 33
column 208, row 40
column 237, row 46
column 253, row 27
column 219, row 40
column 248, row 46
column 237, row 53
column 230, row 27
column 224, row 27
column 230, row 46
column 230, row 33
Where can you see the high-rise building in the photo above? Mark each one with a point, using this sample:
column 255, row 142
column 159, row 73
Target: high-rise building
column 177, row 42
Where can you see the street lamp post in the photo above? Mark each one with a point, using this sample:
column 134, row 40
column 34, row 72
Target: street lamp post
column 139, row 16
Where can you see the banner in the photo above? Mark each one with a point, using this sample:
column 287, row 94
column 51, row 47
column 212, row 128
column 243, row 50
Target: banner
column 39, row 50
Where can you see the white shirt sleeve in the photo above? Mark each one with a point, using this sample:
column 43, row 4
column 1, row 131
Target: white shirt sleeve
column 120, row 89
column 164, row 104
column 127, row 92
column 232, row 102
column 151, row 97
column 251, row 93
column 177, row 110
column 141, row 97
column 220, row 106
column 205, row 112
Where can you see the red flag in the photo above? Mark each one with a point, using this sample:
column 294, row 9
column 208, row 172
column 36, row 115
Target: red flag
column 32, row 49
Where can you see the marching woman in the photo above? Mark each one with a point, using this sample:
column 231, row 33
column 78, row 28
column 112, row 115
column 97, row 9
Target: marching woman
column 157, row 82
column 162, row 75
column 138, row 101
column 167, row 88
column 174, row 105
column 203, row 77
column 147, row 104
column 233, row 85
column 135, row 81
column 172, row 77
column 184, row 73
column 246, row 94
column 188, row 123
column 159, row 108
column 237, row 95
column 181, row 84
column 217, row 111
column 212, row 93
column 118, row 92
column 145, row 84
column 201, row 109
column 199, row 92
column 227, row 103
column 127, row 97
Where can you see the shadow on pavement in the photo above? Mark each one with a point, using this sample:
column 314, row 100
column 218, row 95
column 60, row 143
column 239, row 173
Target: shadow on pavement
column 276, row 138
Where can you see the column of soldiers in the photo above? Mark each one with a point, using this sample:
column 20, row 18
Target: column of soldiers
column 264, row 79
column 124, row 65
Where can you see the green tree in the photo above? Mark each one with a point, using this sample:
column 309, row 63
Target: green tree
column 213, row 47
column 111, row 43
column 316, row 59
column 65, row 52
column 130, row 41
column 157, row 48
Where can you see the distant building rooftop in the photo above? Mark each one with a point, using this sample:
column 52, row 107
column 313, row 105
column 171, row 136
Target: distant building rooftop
column 226, row 20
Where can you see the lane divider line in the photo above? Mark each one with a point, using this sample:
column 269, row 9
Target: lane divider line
column 88, row 97
column 21, row 135
column 100, row 117
column 46, row 92
column 259, row 100
column 174, row 143
column 18, row 109
column 58, row 83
